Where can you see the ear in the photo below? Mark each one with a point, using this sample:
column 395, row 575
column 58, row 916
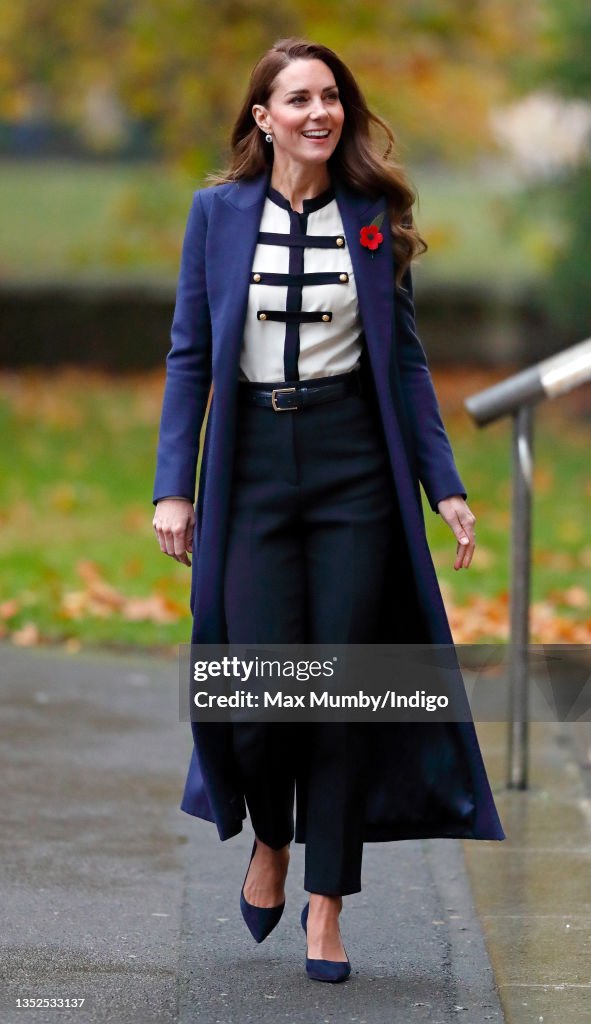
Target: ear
column 261, row 116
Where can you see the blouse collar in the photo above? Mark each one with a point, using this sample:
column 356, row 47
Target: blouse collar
column 316, row 203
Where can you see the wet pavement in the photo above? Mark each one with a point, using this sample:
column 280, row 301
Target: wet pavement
column 533, row 891
column 91, row 880
column 111, row 894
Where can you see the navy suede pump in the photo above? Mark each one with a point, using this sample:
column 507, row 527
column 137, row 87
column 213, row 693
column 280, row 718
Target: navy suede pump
column 260, row 920
column 324, row 970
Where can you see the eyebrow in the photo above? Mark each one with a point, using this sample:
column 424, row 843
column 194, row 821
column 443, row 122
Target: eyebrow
column 328, row 88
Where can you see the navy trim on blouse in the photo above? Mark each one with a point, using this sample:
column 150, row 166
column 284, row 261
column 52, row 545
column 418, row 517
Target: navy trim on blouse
column 321, row 277
column 302, row 241
column 295, row 316
column 315, row 203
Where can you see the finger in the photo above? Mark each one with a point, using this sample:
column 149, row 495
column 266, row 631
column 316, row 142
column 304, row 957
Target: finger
column 463, row 542
column 182, row 557
column 172, row 541
column 460, row 561
column 179, row 538
column 469, row 547
column 463, row 530
column 168, row 537
column 463, row 527
column 464, row 554
column 160, row 538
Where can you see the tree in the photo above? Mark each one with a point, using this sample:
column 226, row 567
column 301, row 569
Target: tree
column 562, row 64
column 430, row 67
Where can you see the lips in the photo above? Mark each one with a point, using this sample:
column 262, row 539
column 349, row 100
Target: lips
column 318, row 137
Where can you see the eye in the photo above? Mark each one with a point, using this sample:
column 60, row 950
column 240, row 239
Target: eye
column 331, row 96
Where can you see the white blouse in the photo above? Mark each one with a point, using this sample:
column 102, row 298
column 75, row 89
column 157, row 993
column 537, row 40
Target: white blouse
column 302, row 318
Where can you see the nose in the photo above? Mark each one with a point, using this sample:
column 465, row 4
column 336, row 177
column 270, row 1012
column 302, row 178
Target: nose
column 318, row 109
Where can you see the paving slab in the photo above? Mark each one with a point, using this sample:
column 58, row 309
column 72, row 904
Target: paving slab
column 533, row 891
column 91, row 874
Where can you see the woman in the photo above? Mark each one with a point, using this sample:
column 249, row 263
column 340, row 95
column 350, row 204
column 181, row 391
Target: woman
column 295, row 302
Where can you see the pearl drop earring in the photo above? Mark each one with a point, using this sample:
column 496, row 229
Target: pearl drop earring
column 268, row 137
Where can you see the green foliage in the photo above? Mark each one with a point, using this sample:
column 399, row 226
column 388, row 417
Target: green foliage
column 564, row 207
column 561, row 63
column 566, row 34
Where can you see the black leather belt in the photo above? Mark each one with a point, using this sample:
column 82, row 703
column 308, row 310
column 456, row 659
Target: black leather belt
column 286, row 396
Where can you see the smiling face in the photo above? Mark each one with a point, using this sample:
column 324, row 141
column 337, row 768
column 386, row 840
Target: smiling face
column 304, row 113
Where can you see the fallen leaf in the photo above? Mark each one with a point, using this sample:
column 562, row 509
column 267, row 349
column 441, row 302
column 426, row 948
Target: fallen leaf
column 27, row 636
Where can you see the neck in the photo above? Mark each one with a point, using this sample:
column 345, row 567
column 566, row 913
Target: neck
column 297, row 182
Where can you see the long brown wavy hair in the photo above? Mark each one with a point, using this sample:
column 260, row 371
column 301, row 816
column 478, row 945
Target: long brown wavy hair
column 355, row 161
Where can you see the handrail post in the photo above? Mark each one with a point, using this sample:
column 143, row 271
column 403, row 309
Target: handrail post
column 516, row 396
column 518, row 740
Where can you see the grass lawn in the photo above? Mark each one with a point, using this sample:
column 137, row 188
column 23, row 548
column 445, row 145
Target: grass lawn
column 76, row 463
column 79, row 558
column 64, row 218
column 561, row 548
column 87, row 220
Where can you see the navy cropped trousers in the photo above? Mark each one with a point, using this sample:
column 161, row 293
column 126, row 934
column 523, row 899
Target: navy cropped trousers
column 311, row 528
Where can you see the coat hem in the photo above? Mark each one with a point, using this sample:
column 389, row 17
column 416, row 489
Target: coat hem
column 371, row 835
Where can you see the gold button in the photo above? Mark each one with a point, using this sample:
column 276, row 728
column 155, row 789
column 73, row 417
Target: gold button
column 262, row 316
column 256, row 277
column 326, row 317
column 340, row 241
column 343, row 277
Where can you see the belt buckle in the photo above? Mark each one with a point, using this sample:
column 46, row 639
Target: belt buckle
column 278, row 408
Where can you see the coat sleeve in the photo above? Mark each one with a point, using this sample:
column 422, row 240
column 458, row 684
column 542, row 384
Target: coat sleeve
column 434, row 457
column 188, row 368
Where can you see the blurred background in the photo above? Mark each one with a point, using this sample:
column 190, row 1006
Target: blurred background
column 111, row 114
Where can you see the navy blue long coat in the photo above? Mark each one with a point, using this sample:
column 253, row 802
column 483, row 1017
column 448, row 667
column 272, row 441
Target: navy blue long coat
column 427, row 780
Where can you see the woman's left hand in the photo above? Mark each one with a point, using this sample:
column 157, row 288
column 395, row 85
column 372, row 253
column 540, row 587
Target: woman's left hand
column 460, row 519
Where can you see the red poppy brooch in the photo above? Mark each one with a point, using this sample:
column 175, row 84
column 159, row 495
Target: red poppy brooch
column 370, row 236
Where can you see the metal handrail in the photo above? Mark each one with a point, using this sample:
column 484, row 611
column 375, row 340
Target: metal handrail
column 516, row 396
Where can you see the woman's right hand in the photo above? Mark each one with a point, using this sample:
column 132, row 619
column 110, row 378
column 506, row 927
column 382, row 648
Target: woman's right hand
column 173, row 522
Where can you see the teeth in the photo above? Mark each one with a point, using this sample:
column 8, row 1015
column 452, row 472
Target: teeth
column 317, row 134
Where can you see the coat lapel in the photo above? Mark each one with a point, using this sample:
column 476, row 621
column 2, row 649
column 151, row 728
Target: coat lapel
column 374, row 275
column 232, row 239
